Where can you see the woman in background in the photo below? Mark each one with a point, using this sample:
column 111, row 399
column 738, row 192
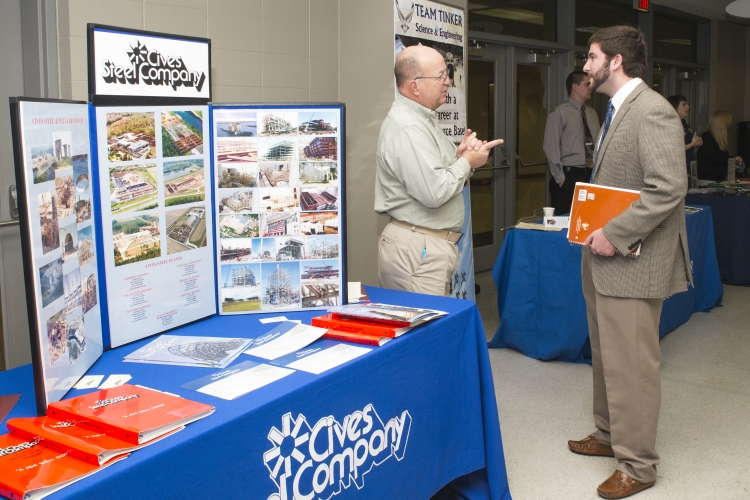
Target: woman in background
column 714, row 154
column 692, row 140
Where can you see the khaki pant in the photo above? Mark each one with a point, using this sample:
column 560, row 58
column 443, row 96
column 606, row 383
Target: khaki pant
column 625, row 351
column 401, row 266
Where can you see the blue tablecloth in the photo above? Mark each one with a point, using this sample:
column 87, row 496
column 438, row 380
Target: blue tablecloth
column 437, row 379
column 731, row 217
column 540, row 299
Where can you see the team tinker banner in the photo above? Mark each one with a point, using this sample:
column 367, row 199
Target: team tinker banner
column 137, row 64
column 442, row 28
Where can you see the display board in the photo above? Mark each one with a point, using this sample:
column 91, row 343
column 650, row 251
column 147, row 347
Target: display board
column 153, row 175
column 279, row 180
column 58, row 235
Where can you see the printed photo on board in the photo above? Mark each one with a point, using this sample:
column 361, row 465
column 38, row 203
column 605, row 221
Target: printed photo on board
column 317, row 148
column 241, row 287
column 42, row 163
column 51, row 280
column 279, row 224
column 281, row 285
column 277, row 149
column 233, row 201
column 136, row 239
column 62, row 144
column 133, row 188
column 186, row 229
column 319, row 223
column 239, row 128
column 278, row 199
column 181, row 133
column 238, row 175
column 320, row 283
column 65, row 193
column 184, row 182
column 277, row 174
column 76, row 335
column 130, row 136
column 69, row 241
column 57, row 336
column 240, row 250
column 237, row 150
column 85, row 246
column 50, row 230
column 318, row 123
column 278, row 123
column 318, row 172
column 238, row 226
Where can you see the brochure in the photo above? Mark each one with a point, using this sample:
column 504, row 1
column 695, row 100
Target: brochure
column 133, row 414
column 210, row 352
column 32, row 470
column 321, row 356
column 238, row 380
column 284, row 339
column 387, row 314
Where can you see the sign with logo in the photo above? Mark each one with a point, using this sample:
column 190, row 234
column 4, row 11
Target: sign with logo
column 131, row 64
column 308, row 462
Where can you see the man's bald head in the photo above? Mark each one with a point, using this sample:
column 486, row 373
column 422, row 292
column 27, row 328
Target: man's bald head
column 410, row 61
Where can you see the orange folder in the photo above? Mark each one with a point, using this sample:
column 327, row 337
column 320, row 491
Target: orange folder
column 594, row 206
column 130, row 413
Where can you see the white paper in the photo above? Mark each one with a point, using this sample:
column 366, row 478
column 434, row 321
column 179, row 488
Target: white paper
column 66, row 383
column 328, row 358
column 293, row 340
column 246, row 381
column 115, row 381
column 89, row 382
column 275, row 319
column 354, row 289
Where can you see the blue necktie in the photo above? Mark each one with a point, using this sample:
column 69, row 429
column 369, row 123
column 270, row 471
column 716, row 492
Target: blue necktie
column 607, row 123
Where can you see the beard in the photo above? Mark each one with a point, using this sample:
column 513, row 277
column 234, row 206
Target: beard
column 600, row 77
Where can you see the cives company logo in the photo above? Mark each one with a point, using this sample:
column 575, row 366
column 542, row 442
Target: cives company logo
column 315, row 463
column 152, row 68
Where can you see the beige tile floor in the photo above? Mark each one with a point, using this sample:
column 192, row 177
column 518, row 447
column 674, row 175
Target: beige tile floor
column 704, row 428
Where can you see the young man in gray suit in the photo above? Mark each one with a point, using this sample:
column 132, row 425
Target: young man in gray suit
column 640, row 147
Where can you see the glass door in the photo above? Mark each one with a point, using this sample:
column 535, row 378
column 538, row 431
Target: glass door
column 531, row 117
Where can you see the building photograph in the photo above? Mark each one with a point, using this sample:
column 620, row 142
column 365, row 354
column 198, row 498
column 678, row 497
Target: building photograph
column 240, row 128
column 88, row 288
column 69, row 241
column 236, row 150
column 277, row 149
column 238, row 175
column 322, row 247
column 319, row 223
column 186, row 229
column 61, row 149
column 290, row 248
column 182, row 133
column 281, row 285
column 238, row 226
column 73, row 292
column 277, row 174
column 65, row 196
column 236, row 200
column 51, row 281
column 85, row 245
column 43, row 164
column 318, row 172
column 133, row 187
column 279, row 224
column 277, row 199
column 130, row 136
column 281, row 123
column 184, row 182
column 57, row 337
column 318, row 123
column 136, row 239
column 240, row 250
column 319, row 198
column 318, row 148
column 76, row 336
column 240, row 287
column 50, row 230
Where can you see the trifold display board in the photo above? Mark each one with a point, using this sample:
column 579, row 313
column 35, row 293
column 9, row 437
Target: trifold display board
column 148, row 209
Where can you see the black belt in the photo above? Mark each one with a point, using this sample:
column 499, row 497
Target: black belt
column 570, row 169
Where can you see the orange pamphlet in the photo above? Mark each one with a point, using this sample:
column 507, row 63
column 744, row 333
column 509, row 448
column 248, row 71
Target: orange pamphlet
column 131, row 413
column 356, row 338
column 594, row 206
column 74, row 437
column 335, row 322
column 31, row 470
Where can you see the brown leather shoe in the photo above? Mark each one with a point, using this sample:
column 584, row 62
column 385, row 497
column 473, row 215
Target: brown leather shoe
column 620, row 485
column 591, row 446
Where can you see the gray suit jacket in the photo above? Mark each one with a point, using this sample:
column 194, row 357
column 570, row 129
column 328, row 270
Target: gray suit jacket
column 644, row 151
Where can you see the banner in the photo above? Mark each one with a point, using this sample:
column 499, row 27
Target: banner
column 442, row 27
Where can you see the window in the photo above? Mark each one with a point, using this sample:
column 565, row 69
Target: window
column 674, row 38
column 593, row 15
column 535, row 19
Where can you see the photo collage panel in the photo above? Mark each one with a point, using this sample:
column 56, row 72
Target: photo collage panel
column 55, row 158
column 277, row 208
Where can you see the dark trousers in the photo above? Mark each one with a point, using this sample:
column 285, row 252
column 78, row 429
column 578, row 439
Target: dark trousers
column 562, row 196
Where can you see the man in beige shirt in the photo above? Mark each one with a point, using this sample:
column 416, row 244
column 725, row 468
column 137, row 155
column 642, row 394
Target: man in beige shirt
column 419, row 179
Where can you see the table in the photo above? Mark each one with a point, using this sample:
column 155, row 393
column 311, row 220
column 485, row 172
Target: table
column 731, row 217
column 437, row 380
column 540, row 299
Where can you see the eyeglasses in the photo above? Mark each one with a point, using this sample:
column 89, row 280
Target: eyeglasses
column 442, row 77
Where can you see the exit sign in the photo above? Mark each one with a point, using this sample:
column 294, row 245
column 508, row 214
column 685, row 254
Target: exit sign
column 641, row 5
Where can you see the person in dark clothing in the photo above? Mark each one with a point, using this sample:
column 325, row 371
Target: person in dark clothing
column 714, row 154
column 692, row 140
